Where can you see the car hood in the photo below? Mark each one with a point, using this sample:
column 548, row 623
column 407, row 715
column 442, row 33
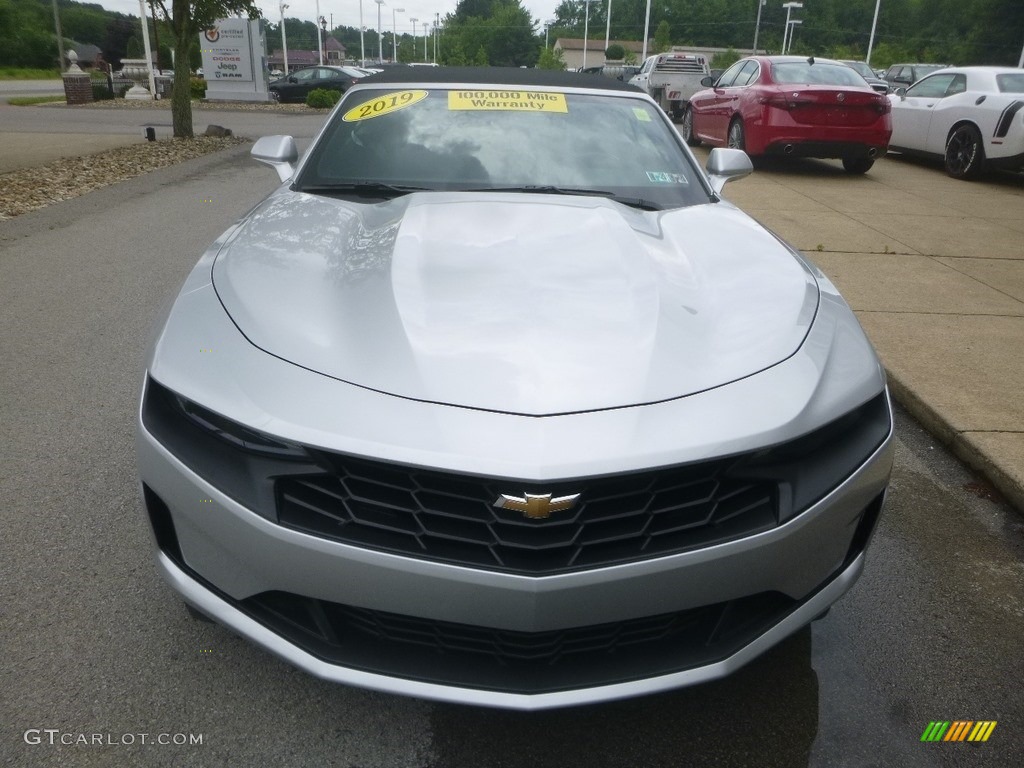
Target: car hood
column 524, row 304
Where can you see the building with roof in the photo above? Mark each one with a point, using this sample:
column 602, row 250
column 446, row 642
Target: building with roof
column 572, row 50
column 334, row 53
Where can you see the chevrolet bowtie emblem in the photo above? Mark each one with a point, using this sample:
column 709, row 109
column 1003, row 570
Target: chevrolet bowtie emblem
column 537, row 506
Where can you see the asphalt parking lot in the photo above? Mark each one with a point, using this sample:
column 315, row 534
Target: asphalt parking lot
column 92, row 643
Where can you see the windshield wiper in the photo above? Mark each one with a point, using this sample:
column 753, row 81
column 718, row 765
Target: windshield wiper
column 364, row 189
column 545, row 189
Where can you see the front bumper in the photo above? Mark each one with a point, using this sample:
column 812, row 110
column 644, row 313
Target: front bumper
column 228, row 614
column 222, row 558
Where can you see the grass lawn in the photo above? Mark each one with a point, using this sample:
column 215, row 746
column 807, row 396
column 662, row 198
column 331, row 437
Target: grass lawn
column 28, row 101
column 20, row 73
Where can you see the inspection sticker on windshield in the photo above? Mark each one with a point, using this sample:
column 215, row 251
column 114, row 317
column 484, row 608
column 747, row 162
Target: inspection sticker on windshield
column 667, row 178
column 507, row 101
column 383, row 105
column 642, row 114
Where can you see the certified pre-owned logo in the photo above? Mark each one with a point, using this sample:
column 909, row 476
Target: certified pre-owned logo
column 536, row 506
column 212, row 34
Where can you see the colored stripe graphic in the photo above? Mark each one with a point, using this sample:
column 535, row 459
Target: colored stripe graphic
column 958, row 730
column 982, row 730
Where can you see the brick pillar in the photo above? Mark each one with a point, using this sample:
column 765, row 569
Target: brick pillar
column 77, row 84
column 77, row 88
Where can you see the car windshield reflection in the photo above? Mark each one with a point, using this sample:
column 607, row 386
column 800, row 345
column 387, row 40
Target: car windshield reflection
column 441, row 139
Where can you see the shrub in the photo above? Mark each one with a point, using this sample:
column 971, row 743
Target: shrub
column 101, row 92
column 321, row 98
column 615, row 52
column 197, row 87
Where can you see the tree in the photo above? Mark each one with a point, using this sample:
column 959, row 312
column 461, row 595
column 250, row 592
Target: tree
column 452, row 53
column 505, row 32
column 551, row 58
column 615, row 52
column 187, row 18
column 134, row 48
column 480, row 60
column 662, row 39
column 725, row 59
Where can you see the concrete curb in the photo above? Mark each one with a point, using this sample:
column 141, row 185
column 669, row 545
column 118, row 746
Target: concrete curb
column 957, row 442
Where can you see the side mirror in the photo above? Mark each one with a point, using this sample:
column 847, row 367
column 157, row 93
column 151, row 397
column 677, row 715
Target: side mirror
column 726, row 165
column 902, row 93
column 279, row 152
column 707, row 81
column 292, row 79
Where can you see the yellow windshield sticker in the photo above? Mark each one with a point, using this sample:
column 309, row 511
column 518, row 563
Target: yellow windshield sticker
column 384, row 105
column 642, row 114
column 507, row 101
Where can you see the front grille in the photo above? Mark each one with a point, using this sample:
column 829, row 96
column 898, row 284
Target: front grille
column 449, row 518
column 520, row 662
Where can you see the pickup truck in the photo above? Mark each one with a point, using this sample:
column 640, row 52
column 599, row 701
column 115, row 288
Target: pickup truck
column 672, row 78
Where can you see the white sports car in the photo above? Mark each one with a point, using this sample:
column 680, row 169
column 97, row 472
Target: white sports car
column 970, row 116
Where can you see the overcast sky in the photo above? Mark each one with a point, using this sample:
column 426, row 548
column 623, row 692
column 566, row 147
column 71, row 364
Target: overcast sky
column 347, row 13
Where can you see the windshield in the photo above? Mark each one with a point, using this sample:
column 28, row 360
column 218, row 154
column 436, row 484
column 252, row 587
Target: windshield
column 800, row 72
column 861, row 69
column 515, row 140
column 1011, row 83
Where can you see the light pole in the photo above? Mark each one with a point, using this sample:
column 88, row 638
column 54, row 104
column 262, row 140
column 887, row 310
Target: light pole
column 284, row 39
column 871, row 40
column 413, row 37
column 60, row 36
column 319, row 42
column 586, row 30
column 362, row 38
column 425, row 28
column 647, row 31
column 394, row 35
column 792, row 29
column 437, row 32
column 380, row 37
column 149, row 52
column 789, row 9
column 323, row 37
column 608, row 28
column 757, row 26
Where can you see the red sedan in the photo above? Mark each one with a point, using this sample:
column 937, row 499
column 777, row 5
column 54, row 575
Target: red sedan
column 788, row 105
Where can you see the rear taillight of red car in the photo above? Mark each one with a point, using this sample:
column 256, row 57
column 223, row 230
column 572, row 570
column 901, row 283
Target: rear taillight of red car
column 782, row 101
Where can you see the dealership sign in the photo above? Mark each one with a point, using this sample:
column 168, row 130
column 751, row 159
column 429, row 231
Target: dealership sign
column 227, row 51
column 235, row 60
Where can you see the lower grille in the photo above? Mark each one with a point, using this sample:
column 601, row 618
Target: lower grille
column 449, row 518
column 518, row 662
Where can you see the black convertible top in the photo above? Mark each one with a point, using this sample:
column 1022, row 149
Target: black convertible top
column 496, row 76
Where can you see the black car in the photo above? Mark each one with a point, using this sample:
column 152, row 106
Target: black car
column 862, row 69
column 905, row 75
column 297, row 85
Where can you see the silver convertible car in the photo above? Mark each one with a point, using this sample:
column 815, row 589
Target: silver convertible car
column 496, row 400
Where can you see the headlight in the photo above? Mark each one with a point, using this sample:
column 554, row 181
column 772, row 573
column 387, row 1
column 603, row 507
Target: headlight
column 809, row 467
column 241, row 462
